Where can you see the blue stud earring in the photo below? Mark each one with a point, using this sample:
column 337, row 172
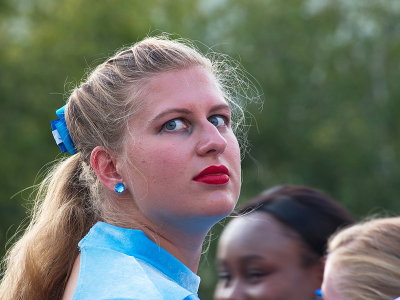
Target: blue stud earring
column 119, row 188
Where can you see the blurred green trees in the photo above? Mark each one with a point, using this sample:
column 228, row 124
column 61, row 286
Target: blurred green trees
column 329, row 71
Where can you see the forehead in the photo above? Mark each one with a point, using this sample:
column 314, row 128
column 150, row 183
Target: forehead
column 188, row 86
column 193, row 89
column 180, row 78
column 332, row 273
column 259, row 233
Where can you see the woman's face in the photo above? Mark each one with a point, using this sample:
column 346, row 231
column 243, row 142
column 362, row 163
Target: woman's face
column 183, row 167
column 259, row 258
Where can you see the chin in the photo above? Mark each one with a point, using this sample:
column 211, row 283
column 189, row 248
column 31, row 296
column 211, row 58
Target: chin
column 221, row 209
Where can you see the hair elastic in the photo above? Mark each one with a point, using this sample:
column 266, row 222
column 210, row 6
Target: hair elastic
column 119, row 188
column 61, row 134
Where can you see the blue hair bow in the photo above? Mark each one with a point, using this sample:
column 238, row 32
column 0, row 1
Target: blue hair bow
column 61, row 133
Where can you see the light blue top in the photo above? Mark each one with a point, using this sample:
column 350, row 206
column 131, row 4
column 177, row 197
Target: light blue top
column 124, row 264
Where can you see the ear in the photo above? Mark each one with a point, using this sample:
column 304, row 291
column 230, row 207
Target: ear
column 104, row 166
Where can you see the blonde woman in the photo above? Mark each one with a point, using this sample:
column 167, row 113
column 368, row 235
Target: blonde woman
column 154, row 164
column 364, row 262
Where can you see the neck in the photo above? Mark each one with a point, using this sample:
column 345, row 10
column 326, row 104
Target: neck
column 185, row 246
column 181, row 237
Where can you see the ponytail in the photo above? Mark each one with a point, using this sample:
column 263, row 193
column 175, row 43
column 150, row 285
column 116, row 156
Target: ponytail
column 71, row 199
column 38, row 265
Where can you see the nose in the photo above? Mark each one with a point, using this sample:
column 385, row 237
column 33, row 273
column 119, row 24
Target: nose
column 211, row 140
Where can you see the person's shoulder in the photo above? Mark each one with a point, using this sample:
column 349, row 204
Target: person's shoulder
column 121, row 264
column 107, row 274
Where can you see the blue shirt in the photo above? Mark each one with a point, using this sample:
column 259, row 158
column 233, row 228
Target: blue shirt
column 124, row 264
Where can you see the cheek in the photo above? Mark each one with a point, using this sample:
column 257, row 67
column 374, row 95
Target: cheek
column 265, row 290
column 232, row 148
column 159, row 164
column 233, row 154
column 277, row 286
column 233, row 144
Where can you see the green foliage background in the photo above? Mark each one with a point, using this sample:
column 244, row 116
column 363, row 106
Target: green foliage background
column 329, row 72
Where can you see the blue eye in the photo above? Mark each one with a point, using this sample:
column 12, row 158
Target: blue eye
column 174, row 125
column 217, row 120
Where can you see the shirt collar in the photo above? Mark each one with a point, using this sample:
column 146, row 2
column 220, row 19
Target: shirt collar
column 135, row 243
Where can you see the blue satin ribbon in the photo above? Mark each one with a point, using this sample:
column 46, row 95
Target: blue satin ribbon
column 61, row 134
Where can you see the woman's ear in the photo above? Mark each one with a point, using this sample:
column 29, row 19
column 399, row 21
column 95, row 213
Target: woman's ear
column 104, row 166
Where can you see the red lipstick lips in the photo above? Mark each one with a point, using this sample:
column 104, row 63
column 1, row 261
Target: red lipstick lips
column 213, row 175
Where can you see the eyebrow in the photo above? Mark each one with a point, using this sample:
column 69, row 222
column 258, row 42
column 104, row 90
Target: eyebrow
column 241, row 258
column 250, row 257
column 187, row 111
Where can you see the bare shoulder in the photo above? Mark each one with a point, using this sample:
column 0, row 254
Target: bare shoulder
column 72, row 281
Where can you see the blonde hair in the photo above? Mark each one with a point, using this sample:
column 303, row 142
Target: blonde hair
column 366, row 257
column 70, row 199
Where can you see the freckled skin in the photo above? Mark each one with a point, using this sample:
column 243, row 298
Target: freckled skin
column 258, row 259
column 165, row 162
column 158, row 165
